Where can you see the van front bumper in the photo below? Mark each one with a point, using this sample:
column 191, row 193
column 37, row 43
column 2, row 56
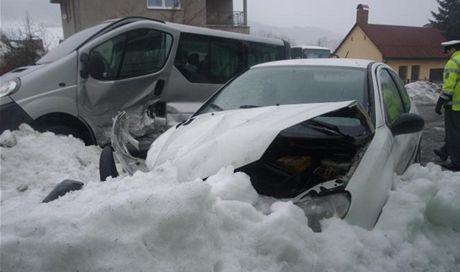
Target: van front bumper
column 12, row 115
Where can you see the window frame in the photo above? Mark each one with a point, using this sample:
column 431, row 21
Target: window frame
column 402, row 72
column 164, row 7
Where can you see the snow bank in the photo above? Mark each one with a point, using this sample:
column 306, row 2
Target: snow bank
column 423, row 92
column 152, row 222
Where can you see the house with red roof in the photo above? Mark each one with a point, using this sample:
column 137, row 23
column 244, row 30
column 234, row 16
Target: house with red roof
column 414, row 52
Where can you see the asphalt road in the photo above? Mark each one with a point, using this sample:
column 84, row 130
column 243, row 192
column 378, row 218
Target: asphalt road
column 433, row 134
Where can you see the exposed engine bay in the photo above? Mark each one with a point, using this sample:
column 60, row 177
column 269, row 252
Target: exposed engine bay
column 309, row 154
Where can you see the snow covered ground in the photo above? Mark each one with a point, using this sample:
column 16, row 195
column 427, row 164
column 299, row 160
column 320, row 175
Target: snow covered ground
column 423, row 92
column 151, row 222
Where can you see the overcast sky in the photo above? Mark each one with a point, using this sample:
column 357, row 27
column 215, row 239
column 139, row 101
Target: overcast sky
column 337, row 15
column 334, row 15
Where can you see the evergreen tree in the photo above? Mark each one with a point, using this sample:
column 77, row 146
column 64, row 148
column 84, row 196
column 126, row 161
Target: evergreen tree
column 447, row 19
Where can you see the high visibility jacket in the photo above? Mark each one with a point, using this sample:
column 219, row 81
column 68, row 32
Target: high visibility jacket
column 451, row 82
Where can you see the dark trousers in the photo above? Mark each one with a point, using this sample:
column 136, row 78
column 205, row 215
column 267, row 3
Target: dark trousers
column 452, row 130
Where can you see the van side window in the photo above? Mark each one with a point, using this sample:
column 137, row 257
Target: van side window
column 204, row 59
column 137, row 52
column 192, row 58
column 105, row 59
column 207, row 59
column 258, row 53
column 226, row 59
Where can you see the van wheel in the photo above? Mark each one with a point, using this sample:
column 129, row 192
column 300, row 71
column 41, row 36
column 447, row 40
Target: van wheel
column 60, row 129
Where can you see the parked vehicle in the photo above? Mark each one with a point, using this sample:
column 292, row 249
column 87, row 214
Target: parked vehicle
column 159, row 72
column 327, row 134
column 309, row 52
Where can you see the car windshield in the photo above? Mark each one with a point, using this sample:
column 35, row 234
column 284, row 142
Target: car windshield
column 268, row 86
column 70, row 44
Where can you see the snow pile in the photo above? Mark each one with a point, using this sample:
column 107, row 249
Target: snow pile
column 152, row 222
column 423, row 92
column 36, row 162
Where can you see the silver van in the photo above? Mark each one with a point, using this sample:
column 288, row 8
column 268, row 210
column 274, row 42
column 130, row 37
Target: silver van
column 156, row 71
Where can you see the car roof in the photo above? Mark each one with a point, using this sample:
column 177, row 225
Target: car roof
column 352, row 63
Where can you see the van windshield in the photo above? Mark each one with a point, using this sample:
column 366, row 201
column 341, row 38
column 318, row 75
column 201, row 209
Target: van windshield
column 71, row 43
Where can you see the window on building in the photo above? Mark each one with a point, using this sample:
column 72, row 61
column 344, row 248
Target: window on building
column 402, row 72
column 415, row 73
column 163, row 4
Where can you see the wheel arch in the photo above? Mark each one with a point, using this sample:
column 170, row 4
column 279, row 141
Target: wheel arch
column 68, row 120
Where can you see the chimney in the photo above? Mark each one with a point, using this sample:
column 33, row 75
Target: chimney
column 362, row 14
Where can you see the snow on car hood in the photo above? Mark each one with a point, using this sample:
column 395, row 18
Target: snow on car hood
column 207, row 142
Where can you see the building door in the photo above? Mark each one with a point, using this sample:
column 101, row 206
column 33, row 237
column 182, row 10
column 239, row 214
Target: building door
column 415, row 73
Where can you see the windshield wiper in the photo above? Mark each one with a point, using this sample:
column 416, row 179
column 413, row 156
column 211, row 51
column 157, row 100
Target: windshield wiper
column 327, row 128
column 216, row 107
column 248, row 106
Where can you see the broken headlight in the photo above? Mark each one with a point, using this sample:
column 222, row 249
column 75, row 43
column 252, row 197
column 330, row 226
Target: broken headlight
column 324, row 206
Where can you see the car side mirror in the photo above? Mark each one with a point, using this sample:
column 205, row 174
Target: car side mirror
column 84, row 71
column 407, row 123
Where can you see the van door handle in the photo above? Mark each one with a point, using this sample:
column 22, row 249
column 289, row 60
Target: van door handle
column 159, row 87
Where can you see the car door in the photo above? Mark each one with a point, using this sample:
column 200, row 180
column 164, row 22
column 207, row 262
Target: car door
column 403, row 146
column 126, row 69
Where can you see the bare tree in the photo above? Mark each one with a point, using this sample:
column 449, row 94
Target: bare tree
column 22, row 46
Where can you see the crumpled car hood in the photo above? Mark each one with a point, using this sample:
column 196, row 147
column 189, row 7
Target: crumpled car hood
column 207, row 142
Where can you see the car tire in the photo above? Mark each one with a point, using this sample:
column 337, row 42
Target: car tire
column 107, row 167
column 418, row 155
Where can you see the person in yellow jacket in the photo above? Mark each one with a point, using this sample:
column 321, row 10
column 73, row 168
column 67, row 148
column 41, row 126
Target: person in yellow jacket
column 450, row 100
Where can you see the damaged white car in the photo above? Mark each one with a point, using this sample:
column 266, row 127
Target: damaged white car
column 327, row 134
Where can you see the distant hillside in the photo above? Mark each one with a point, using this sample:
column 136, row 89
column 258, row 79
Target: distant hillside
column 299, row 35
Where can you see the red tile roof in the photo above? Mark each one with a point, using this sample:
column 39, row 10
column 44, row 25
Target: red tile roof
column 406, row 41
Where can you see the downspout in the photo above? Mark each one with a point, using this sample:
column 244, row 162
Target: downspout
column 245, row 10
column 77, row 15
column 74, row 12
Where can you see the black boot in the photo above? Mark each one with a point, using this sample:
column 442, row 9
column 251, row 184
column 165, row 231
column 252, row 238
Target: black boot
column 442, row 155
column 451, row 167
